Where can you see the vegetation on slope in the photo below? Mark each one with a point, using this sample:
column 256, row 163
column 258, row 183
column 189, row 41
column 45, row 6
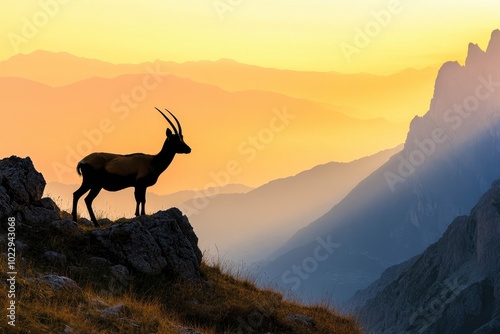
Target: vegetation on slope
column 218, row 304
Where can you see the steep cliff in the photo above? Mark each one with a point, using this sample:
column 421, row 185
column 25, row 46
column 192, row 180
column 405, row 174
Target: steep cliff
column 451, row 156
column 453, row 287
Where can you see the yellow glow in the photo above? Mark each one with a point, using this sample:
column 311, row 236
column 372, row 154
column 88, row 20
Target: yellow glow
column 287, row 34
column 300, row 34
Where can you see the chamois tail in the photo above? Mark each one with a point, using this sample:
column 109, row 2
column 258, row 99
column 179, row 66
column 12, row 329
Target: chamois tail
column 79, row 167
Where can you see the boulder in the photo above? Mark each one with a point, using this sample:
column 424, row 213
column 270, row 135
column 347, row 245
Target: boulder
column 59, row 283
column 162, row 243
column 20, row 184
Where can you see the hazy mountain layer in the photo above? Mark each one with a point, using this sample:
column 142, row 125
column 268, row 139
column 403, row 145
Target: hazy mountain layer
column 251, row 225
column 450, row 158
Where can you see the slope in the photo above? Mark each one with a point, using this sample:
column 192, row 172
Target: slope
column 452, row 287
column 449, row 159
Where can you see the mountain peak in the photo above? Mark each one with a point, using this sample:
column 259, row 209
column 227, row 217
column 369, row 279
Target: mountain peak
column 474, row 55
column 494, row 45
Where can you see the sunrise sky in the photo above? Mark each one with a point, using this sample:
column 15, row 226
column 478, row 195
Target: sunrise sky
column 340, row 117
column 313, row 35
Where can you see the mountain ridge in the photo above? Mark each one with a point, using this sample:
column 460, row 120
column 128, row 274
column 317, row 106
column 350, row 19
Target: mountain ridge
column 452, row 287
column 100, row 115
column 407, row 204
column 360, row 92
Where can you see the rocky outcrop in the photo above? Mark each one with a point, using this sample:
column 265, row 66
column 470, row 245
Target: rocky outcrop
column 20, row 184
column 453, row 287
column 162, row 244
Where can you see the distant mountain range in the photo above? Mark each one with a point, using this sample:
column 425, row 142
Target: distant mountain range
column 362, row 95
column 451, row 288
column 57, row 126
column 450, row 158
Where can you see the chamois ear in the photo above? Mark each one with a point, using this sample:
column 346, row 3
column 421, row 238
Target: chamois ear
column 169, row 133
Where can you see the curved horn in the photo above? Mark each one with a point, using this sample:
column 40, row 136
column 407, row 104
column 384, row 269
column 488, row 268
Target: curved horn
column 178, row 123
column 169, row 121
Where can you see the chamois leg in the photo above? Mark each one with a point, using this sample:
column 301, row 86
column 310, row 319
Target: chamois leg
column 76, row 196
column 88, row 200
column 140, row 197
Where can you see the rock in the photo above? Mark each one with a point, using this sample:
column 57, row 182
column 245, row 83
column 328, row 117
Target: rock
column 161, row 243
column 452, row 287
column 491, row 327
column 103, row 222
column 60, row 283
column 37, row 215
column 20, row 184
column 66, row 226
column 99, row 304
column 117, row 311
column 5, row 205
column 120, row 280
column 21, row 189
column 86, row 222
column 121, row 312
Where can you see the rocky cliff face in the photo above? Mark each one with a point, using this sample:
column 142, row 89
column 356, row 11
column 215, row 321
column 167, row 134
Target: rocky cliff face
column 453, row 287
column 450, row 158
column 162, row 244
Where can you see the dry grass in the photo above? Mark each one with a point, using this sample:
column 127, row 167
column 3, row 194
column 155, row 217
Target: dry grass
column 219, row 304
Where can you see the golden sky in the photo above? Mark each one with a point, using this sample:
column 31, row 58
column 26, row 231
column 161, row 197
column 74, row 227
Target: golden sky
column 374, row 36
column 370, row 36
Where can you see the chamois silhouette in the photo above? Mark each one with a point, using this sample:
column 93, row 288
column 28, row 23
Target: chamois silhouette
column 115, row 172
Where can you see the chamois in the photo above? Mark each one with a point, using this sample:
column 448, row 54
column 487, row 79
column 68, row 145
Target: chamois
column 115, row 172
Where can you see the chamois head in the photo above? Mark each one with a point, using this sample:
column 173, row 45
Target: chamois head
column 176, row 139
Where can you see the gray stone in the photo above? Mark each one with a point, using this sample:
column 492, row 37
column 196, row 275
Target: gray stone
column 153, row 244
column 37, row 215
column 66, row 226
column 20, row 184
column 86, row 222
column 5, row 205
column 117, row 311
column 60, row 283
